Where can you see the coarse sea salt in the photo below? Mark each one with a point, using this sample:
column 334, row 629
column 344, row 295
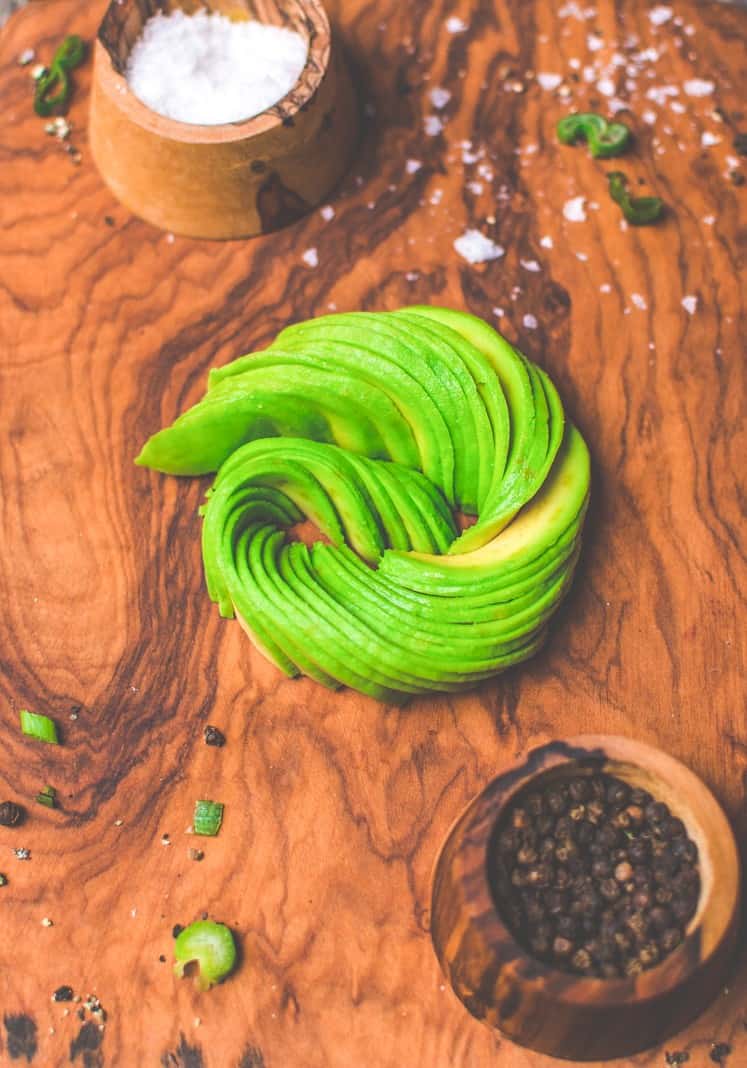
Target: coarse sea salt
column 475, row 247
column 573, row 209
column 208, row 69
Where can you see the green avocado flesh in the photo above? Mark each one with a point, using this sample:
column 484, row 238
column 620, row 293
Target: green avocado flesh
column 377, row 427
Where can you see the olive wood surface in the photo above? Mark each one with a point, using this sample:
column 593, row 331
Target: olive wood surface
column 335, row 806
column 546, row 1008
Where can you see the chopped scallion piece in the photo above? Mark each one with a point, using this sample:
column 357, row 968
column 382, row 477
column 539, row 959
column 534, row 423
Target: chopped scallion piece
column 639, row 211
column 35, row 725
column 48, row 797
column 211, row 945
column 603, row 138
column 207, row 818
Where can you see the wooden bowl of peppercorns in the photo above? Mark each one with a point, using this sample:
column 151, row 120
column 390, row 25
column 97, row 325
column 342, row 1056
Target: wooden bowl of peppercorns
column 586, row 902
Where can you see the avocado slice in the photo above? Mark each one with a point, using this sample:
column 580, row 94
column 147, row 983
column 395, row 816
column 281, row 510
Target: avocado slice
column 376, row 426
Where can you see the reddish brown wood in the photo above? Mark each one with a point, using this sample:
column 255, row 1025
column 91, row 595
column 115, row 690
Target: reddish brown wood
column 553, row 1011
column 336, row 807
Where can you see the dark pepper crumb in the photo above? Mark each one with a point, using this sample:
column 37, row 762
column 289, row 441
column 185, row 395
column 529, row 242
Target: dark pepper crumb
column 677, row 1058
column 719, row 1052
column 63, row 993
column 109, row 220
column 11, row 814
column 737, row 178
column 740, row 143
column 177, row 930
column 162, row 958
column 214, row 737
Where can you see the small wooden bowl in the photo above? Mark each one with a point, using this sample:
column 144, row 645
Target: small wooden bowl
column 235, row 179
column 553, row 1011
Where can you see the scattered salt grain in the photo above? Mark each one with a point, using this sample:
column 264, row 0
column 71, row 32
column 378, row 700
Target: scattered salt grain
column 412, row 166
column 530, row 265
column 475, row 188
column 327, row 212
column 208, row 69
column 582, row 256
column 37, row 71
column 649, row 117
column 660, row 14
column 573, row 209
column 605, row 288
column 456, row 25
column 698, row 87
column 709, row 220
column 548, row 80
column 432, row 125
column 594, row 43
column 530, row 322
column 498, row 312
column 606, row 87
column 46, row 922
column 677, row 107
column 707, row 139
column 690, row 303
column 546, row 242
column 439, row 98
column 170, row 239
column 639, row 301
column 27, row 56
column 311, row 257
column 475, row 247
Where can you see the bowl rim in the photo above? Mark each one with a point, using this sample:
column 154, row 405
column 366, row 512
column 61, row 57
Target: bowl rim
column 566, row 988
column 281, row 113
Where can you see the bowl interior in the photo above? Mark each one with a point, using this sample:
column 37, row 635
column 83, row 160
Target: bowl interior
column 123, row 22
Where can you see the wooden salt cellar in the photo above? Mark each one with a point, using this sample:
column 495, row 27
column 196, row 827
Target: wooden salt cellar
column 235, row 179
column 553, row 1011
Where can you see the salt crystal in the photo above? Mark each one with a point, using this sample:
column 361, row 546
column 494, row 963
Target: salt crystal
column 311, row 257
column 456, row 25
column 475, row 188
column 412, row 166
column 475, row 247
column 530, row 322
column 582, row 256
column 498, row 312
column 690, row 303
column 639, row 301
column 707, row 139
column 573, row 210
column 606, row 87
column 530, row 265
column 605, row 288
column 432, row 125
column 698, row 87
column 439, row 98
column 659, row 15
column 208, row 69
column 548, row 80
column 677, row 107
column 27, row 56
column 327, row 212
column 594, row 43
column 546, row 242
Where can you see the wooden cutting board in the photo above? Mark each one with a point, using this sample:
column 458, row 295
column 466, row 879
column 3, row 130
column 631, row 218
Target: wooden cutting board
column 335, row 805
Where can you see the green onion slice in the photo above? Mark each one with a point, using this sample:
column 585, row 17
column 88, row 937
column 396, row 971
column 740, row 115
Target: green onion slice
column 38, row 726
column 603, row 138
column 207, row 818
column 53, row 88
column 639, row 211
column 211, row 945
column 48, row 797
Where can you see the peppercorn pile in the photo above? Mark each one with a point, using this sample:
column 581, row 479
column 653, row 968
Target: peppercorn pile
column 594, row 877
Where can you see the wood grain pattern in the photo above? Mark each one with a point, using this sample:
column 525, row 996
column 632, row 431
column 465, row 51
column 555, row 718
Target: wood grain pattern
column 336, row 807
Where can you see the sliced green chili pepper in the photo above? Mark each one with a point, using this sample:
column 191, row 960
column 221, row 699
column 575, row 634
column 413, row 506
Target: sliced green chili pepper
column 211, row 945
column 639, row 211
column 603, row 138
column 37, row 726
column 53, row 88
column 207, row 818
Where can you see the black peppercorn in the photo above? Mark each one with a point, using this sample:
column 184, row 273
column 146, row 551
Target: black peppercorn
column 638, row 851
column 63, row 993
column 519, row 819
column 660, row 918
column 719, row 1052
column 669, row 940
column 674, row 1060
column 617, row 793
column 534, row 805
column 508, row 841
column 566, row 926
column 11, row 814
column 624, row 871
column 214, row 737
column 642, row 898
column 639, row 796
column 594, row 810
column 656, row 812
column 601, row 868
column 609, row 889
column 598, row 788
column 562, row 947
column 526, row 855
column 581, row 960
column 556, row 802
column 578, row 790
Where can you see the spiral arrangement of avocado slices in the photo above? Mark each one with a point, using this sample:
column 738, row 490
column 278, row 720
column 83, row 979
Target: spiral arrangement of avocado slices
column 378, row 427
